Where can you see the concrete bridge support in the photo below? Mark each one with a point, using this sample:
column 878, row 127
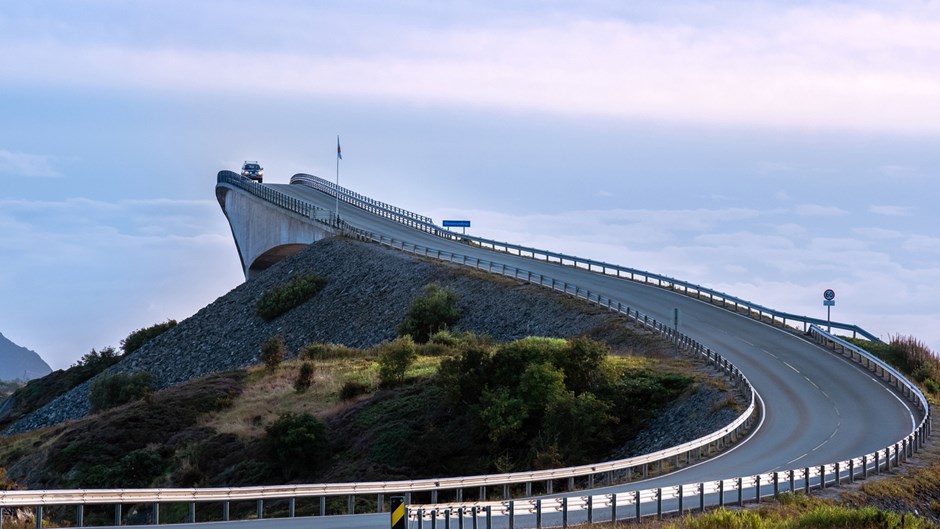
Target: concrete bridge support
column 264, row 232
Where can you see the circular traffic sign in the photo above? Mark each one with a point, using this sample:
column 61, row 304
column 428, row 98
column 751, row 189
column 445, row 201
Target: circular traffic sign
column 829, row 294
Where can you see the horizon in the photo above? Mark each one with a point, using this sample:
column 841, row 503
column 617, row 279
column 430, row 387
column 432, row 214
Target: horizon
column 769, row 151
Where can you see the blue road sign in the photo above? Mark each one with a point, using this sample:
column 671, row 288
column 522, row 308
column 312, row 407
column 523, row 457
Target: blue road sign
column 456, row 223
column 828, row 295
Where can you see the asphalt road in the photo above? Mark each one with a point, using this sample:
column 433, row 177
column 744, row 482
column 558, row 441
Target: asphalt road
column 818, row 407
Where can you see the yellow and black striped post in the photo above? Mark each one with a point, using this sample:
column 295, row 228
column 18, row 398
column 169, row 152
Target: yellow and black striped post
column 398, row 512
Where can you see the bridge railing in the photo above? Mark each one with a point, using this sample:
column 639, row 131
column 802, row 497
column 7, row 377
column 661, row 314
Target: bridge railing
column 607, row 472
column 363, row 202
column 273, row 196
column 715, row 297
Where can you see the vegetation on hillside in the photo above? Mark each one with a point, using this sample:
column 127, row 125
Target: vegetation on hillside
column 909, row 355
column 434, row 310
column 283, row 298
column 41, row 391
column 138, row 338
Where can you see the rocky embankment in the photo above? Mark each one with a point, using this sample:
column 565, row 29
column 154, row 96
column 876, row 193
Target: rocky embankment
column 368, row 290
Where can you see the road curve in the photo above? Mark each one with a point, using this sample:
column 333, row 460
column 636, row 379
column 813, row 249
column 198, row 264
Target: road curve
column 819, row 407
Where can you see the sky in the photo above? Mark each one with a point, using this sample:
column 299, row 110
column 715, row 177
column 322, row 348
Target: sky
column 770, row 150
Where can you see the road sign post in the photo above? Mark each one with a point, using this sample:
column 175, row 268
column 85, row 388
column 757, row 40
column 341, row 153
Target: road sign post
column 398, row 512
column 457, row 224
column 829, row 300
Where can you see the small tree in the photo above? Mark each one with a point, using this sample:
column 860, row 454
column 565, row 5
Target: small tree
column 304, row 378
column 297, row 441
column 394, row 359
column 272, row 352
column 434, row 310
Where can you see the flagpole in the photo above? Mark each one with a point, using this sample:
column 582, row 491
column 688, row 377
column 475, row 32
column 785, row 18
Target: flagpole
column 339, row 156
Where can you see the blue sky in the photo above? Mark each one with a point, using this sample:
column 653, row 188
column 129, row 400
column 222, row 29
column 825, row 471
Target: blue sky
column 767, row 149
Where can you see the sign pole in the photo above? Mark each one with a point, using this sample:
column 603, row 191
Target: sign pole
column 339, row 156
column 829, row 299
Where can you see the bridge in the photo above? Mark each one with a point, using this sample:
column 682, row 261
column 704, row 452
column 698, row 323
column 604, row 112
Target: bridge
column 821, row 411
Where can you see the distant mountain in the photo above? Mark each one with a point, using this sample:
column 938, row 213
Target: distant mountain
column 20, row 363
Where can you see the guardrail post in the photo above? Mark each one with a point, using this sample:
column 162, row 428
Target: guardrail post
column 659, row 503
column 613, row 508
column 528, row 488
column 192, row 512
column 877, row 462
column 512, row 514
column 39, row 517
column 791, row 474
column 740, row 486
column 701, row 496
column 865, row 467
column 564, row 512
column 681, row 500
column 852, row 470
column 757, row 486
column 721, row 493
column 117, row 514
column 776, row 484
column 79, row 515
column 225, row 511
column 156, row 513
column 822, row 477
column 489, row 517
column 590, row 509
column 636, row 501
column 322, row 505
column 505, row 492
column 460, row 514
column 446, row 518
column 838, row 476
column 259, row 508
column 538, row 514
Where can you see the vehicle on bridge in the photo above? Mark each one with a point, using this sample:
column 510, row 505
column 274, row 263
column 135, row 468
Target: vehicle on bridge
column 252, row 169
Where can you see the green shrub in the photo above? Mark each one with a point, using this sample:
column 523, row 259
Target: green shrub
column 138, row 338
column 394, row 360
column 329, row 351
column 352, row 389
column 113, row 390
column 304, row 378
column 279, row 300
column 297, row 442
column 272, row 352
column 434, row 310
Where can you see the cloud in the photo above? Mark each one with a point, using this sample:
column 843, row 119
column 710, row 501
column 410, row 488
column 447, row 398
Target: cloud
column 26, row 165
column 831, row 67
column 816, row 210
column 891, row 211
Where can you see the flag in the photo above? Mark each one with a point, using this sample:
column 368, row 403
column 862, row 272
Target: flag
column 339, row 152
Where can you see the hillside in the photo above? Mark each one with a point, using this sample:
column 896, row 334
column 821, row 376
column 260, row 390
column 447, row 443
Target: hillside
column 367, row 292
column 20, row 363
column 211, row 425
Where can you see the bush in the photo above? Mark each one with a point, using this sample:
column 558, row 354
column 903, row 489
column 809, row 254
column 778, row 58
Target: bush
column 272, row 352
column 328, row 351
column 394, row 360
column 275, row 302
column 304, row 378
column 138, row 338
column 297, row 441
column 113, row 390
column 352, row 389
column 429, row 313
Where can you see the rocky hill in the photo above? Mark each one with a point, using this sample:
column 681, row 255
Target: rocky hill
column 20, row 363
column 368, row 290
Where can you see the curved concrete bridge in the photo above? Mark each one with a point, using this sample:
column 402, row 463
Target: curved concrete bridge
column 270, row 229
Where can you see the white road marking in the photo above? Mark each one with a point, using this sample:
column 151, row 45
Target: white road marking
column 791, row 367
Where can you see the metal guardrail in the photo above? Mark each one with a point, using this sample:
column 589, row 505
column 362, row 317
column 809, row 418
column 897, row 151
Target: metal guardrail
column 698, row 496
column 271, row 195
column 363, row 202
column 716, row 297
